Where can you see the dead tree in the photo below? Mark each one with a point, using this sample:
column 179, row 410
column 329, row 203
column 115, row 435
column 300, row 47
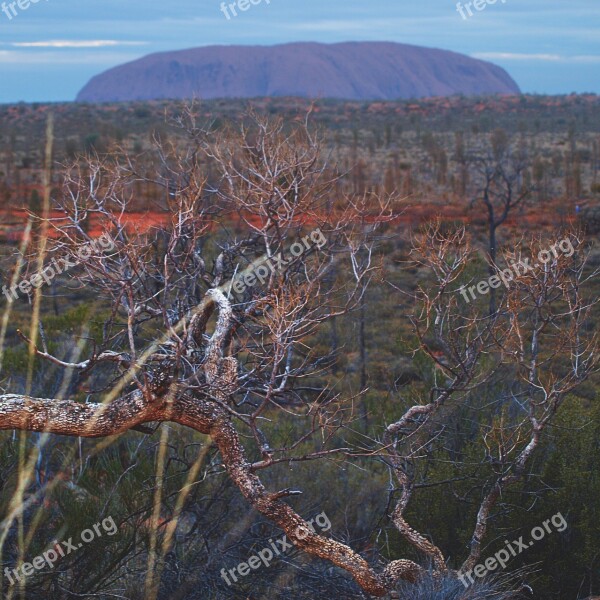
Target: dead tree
column 539, row 336
column 206, row 326
column 207, row 323
column 500, row 178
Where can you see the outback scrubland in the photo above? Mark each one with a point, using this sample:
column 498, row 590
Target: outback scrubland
column 347, row 378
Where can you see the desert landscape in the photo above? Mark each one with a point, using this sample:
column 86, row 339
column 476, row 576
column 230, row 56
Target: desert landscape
column 294, row 319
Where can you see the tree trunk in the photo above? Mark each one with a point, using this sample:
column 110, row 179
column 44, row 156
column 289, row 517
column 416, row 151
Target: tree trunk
column 64, row 417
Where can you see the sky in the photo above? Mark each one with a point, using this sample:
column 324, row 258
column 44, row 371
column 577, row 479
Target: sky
column 51, row 48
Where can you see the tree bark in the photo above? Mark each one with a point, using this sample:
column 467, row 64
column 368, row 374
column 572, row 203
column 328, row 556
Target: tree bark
column 64, row 417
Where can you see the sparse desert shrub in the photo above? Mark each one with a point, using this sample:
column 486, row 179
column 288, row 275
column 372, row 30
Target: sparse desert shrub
column 589, row 219
column 500, row 587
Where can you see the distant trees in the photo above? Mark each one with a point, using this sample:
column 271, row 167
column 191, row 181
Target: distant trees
column 438, row 156
column 501, row 184
column 93, row 142
column 35, row 203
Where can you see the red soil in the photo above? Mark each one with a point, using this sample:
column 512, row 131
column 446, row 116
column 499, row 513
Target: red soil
column 12, row 221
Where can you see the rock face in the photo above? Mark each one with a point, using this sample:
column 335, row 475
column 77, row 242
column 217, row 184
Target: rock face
column 352, row 70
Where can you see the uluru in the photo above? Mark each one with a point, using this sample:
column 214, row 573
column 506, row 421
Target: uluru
column 349, row 70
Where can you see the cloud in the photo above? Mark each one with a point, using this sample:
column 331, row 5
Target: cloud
column 16, row 58
column 542, row 57
column 513, row 56
column 587, row 59
column 76, row 44
column 333, row 25
column 373, row 26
